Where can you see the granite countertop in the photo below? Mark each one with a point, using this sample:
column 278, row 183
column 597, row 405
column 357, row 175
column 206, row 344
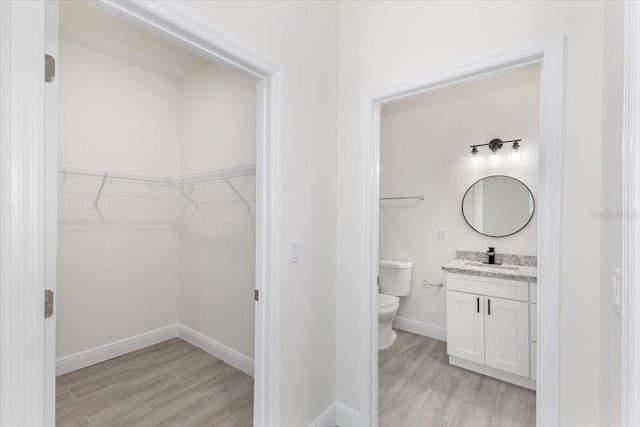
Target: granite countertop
column 526, row 270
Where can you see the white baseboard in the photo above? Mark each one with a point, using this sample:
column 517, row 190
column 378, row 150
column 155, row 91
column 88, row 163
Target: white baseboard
column 327, row 418
column 99, row 354
column 346, row 417
column 337, row 414
column 420, row 328
column 118, row 348
column 217, row 349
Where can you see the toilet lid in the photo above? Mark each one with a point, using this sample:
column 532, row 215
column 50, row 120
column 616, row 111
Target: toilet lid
column 386, row 300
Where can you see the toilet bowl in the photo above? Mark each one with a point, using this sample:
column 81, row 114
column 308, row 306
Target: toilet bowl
column 387, row 308
column 394, row 281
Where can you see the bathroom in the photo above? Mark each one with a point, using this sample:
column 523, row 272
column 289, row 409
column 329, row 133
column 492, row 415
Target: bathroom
column 458, row 192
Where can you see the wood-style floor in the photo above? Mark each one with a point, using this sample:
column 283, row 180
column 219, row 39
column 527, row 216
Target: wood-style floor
column 418, row 387
column 172, row 383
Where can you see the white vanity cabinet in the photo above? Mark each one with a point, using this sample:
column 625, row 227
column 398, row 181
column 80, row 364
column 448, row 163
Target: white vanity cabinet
column 488, row 327
column 466, row 339
column 506, row 335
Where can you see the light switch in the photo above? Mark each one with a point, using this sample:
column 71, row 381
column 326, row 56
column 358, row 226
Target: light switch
column 294, row 251
column 616, row 289
column 442, row 233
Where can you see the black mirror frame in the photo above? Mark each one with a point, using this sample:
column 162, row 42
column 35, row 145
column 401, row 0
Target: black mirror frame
column 505, row 235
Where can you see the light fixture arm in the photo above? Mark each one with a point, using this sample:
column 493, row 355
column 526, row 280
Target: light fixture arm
column 495, row 145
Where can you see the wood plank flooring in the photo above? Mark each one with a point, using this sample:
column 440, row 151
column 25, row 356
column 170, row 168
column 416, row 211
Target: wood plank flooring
column 175, row 383
column 418, row 388
column 172, row 383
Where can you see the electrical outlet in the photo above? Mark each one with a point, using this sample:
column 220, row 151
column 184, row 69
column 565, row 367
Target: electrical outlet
column 442, row 233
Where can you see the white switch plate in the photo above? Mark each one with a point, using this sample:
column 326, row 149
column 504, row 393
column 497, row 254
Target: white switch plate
column 616, row 290
column 442, row 233
column 294, row 251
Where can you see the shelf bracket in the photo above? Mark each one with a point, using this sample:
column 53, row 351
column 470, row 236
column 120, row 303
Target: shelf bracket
column 253, row 229
column 104, row 179
column 186, row 196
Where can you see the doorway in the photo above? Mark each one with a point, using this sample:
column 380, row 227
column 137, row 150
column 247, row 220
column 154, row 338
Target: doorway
column 549, row 54
column 449, row 359
column 156, row 227
column 250, row 188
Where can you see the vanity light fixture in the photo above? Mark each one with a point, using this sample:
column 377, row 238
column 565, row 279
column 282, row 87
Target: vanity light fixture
column 495, row 145
column 515, row 150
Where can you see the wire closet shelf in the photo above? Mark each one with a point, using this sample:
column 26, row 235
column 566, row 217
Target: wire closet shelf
column 183, row 185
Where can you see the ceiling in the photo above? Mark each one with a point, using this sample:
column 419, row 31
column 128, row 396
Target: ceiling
column 92, row 27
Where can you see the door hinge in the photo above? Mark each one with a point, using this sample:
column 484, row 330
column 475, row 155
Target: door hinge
column 256, row 294
column 49, row 68
column 48, row 304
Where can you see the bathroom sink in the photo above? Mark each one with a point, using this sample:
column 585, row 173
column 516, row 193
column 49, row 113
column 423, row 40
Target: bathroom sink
column 500, row 267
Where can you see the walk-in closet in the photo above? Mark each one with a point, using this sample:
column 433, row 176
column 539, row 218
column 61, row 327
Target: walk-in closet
column 156, row 229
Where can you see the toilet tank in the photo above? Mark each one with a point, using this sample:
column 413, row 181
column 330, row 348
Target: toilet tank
column 395, row 277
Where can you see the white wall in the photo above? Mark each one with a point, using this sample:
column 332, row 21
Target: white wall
column 116, row 116
column 218, row 120
column 302, row 38
column 611, row 228
column 125, row 269
column 217, row 247
column 424, row 149
column 118, row 276
column 386, row 42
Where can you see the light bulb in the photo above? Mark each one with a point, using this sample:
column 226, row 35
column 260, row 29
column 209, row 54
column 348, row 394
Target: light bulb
column 474, row 161
column 515, row 151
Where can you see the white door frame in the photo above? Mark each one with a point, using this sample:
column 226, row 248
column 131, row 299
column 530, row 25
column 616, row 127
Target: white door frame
column 22, row 202
column 549, row 54
column 27, row 200
column 631, row 213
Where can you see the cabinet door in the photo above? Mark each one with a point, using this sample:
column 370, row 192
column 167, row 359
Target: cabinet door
column 465, row 326
column 507, row 335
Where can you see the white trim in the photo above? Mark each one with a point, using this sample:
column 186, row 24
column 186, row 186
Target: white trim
column 104, row 352
column 169, row 22
column 420, row 328
column 337, row 415
column 101, row 353
column 631, row 231
column 51, row 217
column 225, row 353
column 326, row 419
column 493, row 372
column 346, row 417
column 549, row 53
column 22, row 215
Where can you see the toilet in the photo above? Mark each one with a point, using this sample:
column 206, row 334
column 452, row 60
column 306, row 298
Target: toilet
column 394, row 281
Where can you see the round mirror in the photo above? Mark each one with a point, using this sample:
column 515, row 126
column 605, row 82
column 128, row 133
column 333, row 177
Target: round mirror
column 498, row 206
